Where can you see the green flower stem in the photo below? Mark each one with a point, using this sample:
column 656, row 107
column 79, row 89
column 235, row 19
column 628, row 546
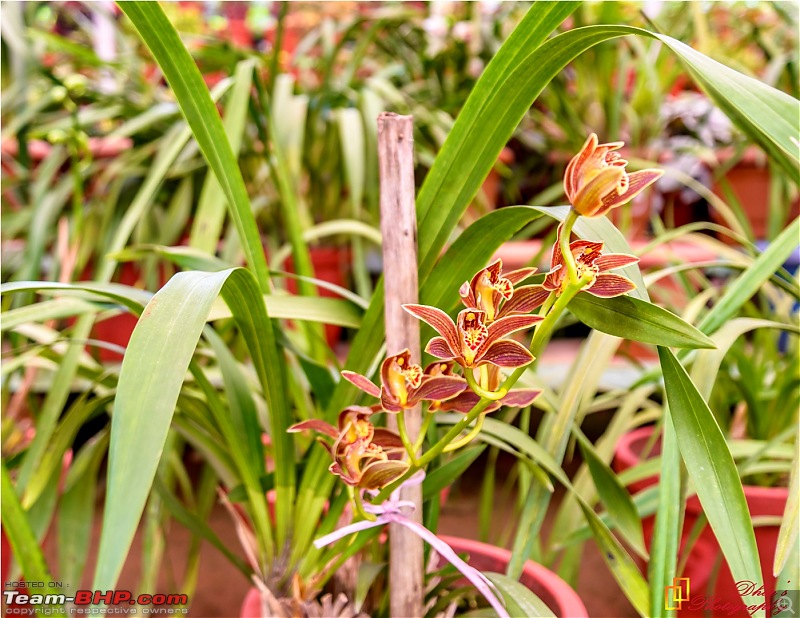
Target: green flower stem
column 566, row 253
column 355, row 497
column 546, row 327
column 401, row 428
column 482, row 392
column 435, row 450
column 423, row 431
column 476, row 429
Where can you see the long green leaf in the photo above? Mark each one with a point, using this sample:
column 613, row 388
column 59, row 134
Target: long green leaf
column 210, row 213
column 712, row 470
column 22, row 539
column 752, row 279
column 151, row 377
column 192, row 95
column 77, row 510
column 615, row 498
column 631, row 318
column 666, row 537
column 787, row 537
column 767, row 115
column 519, row 600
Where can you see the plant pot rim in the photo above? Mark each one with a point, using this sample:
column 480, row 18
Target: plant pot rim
column 568, row 602
column 627, row 455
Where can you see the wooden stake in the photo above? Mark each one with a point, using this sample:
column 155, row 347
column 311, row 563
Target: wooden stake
column 399, row 231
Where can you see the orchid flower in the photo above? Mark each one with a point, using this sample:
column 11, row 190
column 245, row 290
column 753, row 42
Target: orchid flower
column 363, row 455
column 390, row 513
column 491, row 287
column 404, row 385
column 589, row 258
column 464, row 402
column 596, row 181
column 470, row 342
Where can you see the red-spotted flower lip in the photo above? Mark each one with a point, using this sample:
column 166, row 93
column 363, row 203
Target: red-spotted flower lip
column 404, row 385
column 596, row 180
column 470, row 342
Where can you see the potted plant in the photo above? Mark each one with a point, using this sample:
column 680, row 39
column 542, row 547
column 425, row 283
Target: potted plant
column 249, row 373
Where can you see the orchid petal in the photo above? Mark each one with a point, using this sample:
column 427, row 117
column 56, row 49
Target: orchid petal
column 380, row 473
column 637, row 182
column 438, row 320
column 467, row 296
column 515, row 276
column 388, row 402
column 439, row 348
column 507, row 353
column 387, row 439
column 362, row 382
column 438, row 389
column 552, row 281
column 314, row 425
column 577, row 162
column 510, row 324
column 525, row 299
column 610, row 261
column 465, row 402
column 439, row 368
column 610, row 285
column 590, row 198
column 520, row 398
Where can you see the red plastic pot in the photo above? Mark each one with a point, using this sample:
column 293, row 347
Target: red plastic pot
column 761, row 501
column 548, row 586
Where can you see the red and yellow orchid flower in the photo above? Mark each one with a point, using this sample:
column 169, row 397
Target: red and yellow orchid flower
column 492, row 291
column 363, row 455
column 404, row 385
column 464, row 402
column 596, row 180
column 589, row 261
column 470, row 342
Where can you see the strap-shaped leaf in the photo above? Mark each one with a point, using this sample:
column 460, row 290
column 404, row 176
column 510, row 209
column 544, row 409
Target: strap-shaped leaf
column 192, row 95
column 18, row 530
column 152, row 373
column 637, row 320
column 712, row 470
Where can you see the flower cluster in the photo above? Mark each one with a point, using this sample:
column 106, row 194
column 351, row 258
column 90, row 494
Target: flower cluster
column 363, row 455
column 475, row 348
column 369, row 457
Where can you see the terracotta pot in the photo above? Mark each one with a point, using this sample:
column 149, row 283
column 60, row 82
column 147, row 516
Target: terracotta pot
column 548, row 586
column 749, row 180
column 761, row 501
column 331, row 264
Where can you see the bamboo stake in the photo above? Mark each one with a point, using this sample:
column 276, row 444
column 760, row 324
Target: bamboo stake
column 399, row 231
